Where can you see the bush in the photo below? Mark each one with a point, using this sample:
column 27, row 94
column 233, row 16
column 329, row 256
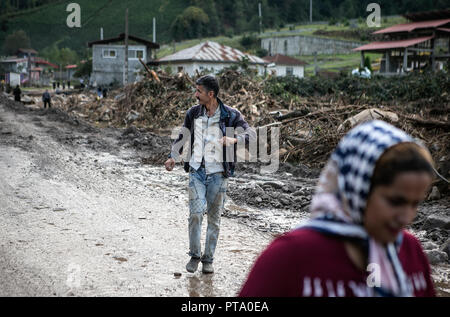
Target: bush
column 249, row 41
column 261, row 52
column 413, row 87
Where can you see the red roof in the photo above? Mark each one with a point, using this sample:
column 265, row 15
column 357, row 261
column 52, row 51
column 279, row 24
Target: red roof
column 283, row 60
column 408, row 27
column 374, row 46
column 42, row 61
column 71, row 66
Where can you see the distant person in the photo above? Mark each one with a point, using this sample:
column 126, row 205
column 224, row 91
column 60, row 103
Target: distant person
column 47, row 99
column 2, row 86
column 355, row 243
column 58, row 85
column 68, row 84
column 105, row 92
column 99, row 93
column 64, row 85
column 54, row 85
column 17, row 93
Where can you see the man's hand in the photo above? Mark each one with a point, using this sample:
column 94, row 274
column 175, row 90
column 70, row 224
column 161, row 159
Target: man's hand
column 227, row 141
column 169, row 164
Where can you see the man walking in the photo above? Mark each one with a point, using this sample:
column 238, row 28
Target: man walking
column 210, row 164
column 46, row 98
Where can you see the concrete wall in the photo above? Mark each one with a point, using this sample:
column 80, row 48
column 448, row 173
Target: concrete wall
column 306, row 45
column 106, row 70
column 280, row 70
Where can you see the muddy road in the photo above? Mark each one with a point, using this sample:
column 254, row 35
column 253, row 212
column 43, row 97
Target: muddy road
column 81, row 215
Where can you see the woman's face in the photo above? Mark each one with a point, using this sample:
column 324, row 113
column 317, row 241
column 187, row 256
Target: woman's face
column 391, row 208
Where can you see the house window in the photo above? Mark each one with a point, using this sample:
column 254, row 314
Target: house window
column 135, row 54
column 108, row 53
column 289, row 71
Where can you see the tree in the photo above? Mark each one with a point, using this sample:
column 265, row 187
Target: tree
column 209, row 7
column 63, row 57
column 240, row 19
column 85, row 69
column 192, row 23
column 16, row 40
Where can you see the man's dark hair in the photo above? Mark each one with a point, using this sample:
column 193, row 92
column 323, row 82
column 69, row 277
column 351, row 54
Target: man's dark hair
column 210, row 83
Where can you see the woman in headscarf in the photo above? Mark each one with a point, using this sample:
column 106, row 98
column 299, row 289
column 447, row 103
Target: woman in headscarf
column 355, row 243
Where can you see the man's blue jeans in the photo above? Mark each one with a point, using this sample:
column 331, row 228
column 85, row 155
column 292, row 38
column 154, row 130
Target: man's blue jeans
column 206, row 195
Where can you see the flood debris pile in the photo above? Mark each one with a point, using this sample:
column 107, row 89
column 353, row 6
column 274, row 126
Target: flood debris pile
column 313, row 114
column 418, row 104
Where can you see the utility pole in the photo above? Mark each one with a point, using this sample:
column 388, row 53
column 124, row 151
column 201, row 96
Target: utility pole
column 125, row 72
column 260, row 17
column 29, row 69
column 154, row 30
column 310, row 11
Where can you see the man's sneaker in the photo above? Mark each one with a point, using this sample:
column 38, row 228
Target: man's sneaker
column 192, row 265
column 207, row 268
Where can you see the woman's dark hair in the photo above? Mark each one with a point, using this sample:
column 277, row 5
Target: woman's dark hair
column 210, row 83
column 403, row 157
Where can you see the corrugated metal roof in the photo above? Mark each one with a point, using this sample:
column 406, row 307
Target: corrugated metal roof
column 211, row 52
column 408, row 27
column 13, row 60
column 283, row 60
column 392, row 44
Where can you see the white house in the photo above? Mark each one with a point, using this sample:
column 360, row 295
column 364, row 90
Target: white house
column 285, row 65
column 209, row 56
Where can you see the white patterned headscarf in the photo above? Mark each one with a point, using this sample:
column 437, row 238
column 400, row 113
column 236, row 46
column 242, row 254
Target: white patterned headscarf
column 338, row 205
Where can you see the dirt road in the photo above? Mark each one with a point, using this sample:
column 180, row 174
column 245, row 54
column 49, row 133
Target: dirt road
column 86, row 219
column 80, row 215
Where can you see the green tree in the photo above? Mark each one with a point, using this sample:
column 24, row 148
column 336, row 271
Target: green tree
column 240, row 19
column 367, row 63
column 84, row 70
column 16, row 40
column 209, row 7
column 63, row 57
column 192, row 23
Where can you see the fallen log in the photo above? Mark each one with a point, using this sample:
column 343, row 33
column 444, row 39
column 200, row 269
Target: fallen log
column 151, row 72
column 303, row 113
column 431, row 124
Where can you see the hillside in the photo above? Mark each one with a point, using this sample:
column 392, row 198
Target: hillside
column 46, row 24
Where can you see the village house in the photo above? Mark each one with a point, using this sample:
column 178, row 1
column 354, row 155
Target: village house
column 26, row 66
column 108, row 59
column 285, row 66
column 209, row 57
column 422, row 43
